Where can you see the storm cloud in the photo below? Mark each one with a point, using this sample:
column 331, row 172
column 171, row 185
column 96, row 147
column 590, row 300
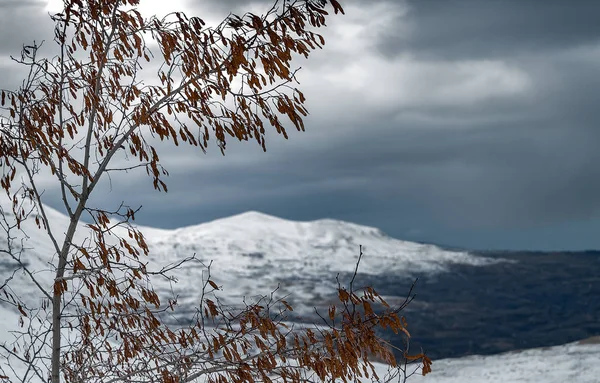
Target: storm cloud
column 471, row 123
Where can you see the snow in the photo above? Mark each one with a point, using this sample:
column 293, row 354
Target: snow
column 570, row 363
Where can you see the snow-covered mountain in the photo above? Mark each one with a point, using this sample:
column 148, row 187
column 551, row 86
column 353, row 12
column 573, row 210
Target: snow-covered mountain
column 253, row 253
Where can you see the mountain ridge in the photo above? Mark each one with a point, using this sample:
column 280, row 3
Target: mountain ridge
column 254, row 252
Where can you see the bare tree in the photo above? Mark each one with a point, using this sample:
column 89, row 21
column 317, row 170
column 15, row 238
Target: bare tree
column 101, row 103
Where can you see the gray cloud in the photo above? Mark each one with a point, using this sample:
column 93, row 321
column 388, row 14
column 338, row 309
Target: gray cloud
column 489, row 28
column 21, row 22
column 474, row 123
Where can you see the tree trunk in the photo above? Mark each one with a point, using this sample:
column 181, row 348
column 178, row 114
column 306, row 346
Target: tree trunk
column 57, row 296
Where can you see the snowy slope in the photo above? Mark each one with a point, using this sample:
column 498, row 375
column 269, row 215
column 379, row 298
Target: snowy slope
column 571, row 363
column 35, row 249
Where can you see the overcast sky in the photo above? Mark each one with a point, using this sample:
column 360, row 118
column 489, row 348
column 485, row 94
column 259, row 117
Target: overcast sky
column 471, row 123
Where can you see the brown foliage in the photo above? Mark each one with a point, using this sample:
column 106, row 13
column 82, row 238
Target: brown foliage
column 99, row 101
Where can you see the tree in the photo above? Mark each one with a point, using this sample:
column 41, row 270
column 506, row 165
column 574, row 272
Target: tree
column 94, row 105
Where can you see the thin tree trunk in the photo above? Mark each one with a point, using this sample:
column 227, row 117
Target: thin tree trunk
column 57, row 297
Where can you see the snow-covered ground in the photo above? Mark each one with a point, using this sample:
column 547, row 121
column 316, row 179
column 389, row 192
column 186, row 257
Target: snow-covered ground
column 571, row 363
